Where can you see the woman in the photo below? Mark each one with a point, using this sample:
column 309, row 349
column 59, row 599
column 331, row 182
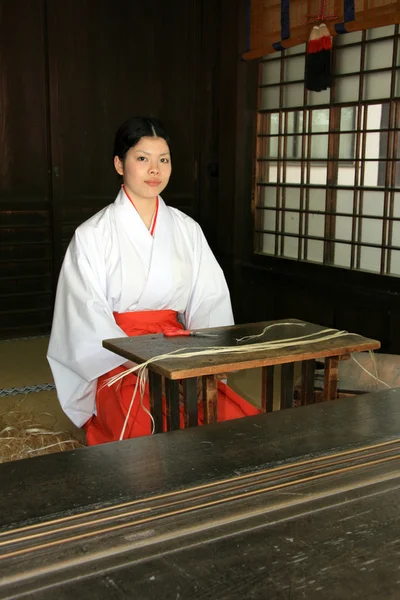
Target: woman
column 134, row 268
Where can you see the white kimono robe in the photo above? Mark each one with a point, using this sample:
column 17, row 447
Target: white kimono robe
column 114, row 264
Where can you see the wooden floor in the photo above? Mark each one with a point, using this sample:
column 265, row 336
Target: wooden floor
column 294, row 504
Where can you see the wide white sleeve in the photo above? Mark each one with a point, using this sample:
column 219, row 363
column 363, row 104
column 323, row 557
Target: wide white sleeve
column 209, row 304
column 82, row 320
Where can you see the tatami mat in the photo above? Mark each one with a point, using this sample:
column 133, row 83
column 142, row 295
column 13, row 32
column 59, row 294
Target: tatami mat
column 23, row 362
column 44, row 409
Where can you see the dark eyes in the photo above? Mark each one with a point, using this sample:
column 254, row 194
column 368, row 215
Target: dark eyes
column 144, row 158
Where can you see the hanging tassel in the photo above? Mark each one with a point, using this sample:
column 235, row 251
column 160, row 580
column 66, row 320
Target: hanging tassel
column 318, row 75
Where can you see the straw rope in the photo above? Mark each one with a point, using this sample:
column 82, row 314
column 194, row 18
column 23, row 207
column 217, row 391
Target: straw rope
column 22, row 437
column 141, row 370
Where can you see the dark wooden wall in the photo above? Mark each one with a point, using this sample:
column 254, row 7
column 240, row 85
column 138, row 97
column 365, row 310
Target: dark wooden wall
column 25, row 217
column 70, row 73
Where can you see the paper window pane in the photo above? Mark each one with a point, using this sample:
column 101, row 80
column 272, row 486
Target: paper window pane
column 379, row 55
column 316, row 225
column 395, row 233
column 371, row 232
column 371, row 174
column 271, row 72
column 319, row 146
column 346, row 174
column 373, row 203
column 292, row 198
column 291, row 222
column 295, row 68
column 315, row 251
column 269, row 221
column 397, row 173
column 348, row 118
column 270, row 98
column 317, row 199
column 293, row 173
column 396, row 205
column 274, row 123
column 380, row 32
column 370, row 259
column 372, row 142
column 374, row 115
column 273, row 148
column 395, row 262
column 344, row 228
column 342, row 255
column 318, row 98
column 377, row 85
column 344, row 201
column 293, row 95
column 347, row 146
column 263, row 171
column 268, row 244
column 318, row 174
column 348, row 38
column 347, row 88
column 267, row 196
column 272, row 174
column 295, row 50
column 291, row 247
column 348, row 60
column 320, row 120
column 294, row 122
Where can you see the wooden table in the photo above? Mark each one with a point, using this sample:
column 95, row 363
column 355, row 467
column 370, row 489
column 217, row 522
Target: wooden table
column 294, row 504
column 141, row 348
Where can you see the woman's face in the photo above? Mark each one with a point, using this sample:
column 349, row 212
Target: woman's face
column 147, row 168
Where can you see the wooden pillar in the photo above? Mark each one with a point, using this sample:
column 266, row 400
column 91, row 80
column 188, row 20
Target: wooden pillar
column 287, row 388
column 331, row 378
column 267, row 389
column 307, row 382
column 172, row 399
column 155, row 384
column 190, row 401
column 210, row 398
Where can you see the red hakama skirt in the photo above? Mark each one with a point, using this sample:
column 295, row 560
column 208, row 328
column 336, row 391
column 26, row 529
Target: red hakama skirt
column 112, row 403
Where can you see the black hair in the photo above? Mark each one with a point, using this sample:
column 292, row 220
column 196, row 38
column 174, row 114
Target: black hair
column 131, row 132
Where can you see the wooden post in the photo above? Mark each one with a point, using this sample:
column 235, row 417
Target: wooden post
column 172, row 398
column 210, row 398
column 190, row 401
column 331, row 378
column 307, row 382
column 287, row 390
column 155, row 385
column 267, row 389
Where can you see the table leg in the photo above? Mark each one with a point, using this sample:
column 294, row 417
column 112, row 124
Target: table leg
column 331, row 372
column 210, row 398
column 155, row 385
column 287, row 388
column 172, row 399
column 267, row 389
column 307, row 382
column 190, row 401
